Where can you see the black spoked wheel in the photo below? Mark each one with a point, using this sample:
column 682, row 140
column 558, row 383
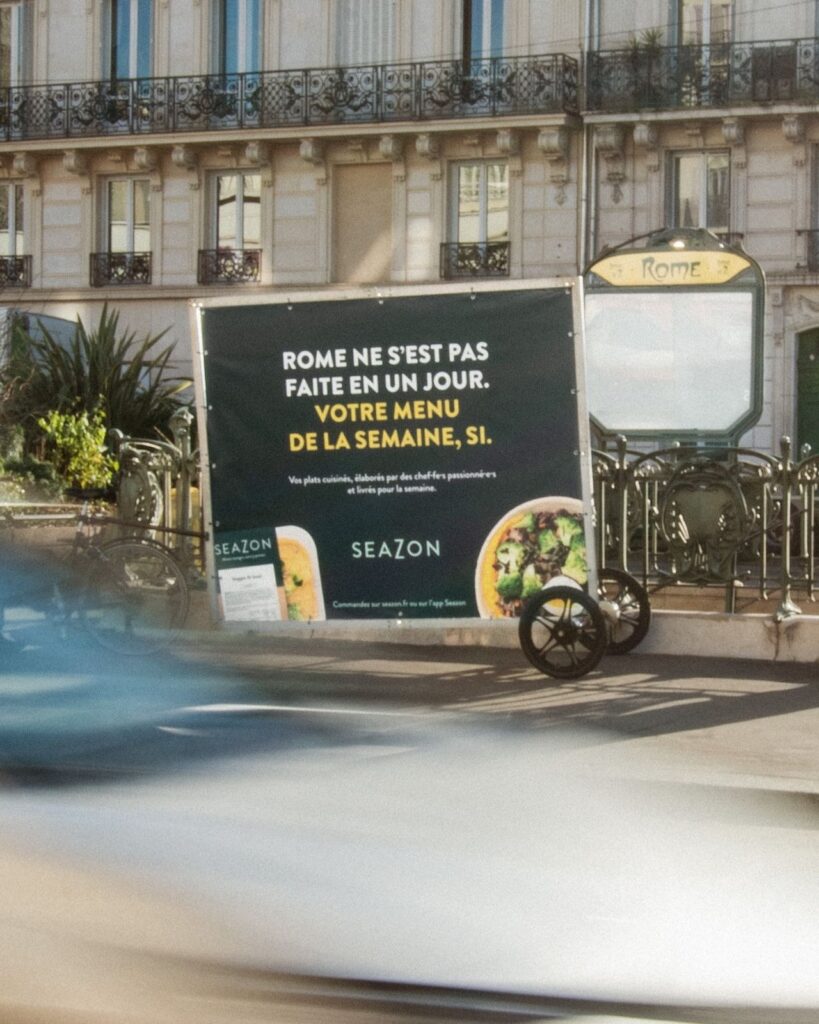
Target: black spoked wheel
column 562, row 632
column 135, row 597
column 625, row 607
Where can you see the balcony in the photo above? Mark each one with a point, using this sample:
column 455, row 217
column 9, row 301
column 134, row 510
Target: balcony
column 229, row 266
column 286, row 99
column 474, row 259
column 120, row 268
column 15, row 271
column 649, row 77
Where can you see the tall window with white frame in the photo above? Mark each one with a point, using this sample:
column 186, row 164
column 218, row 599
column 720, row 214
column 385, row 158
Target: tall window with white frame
column 701, row 190
column 365, row 31
column 704, row 27
column 236, row 32
column 705, row 22
column 126, row 220
column 14, row 34
column 15, row 265
column 479, row 220
column 482, row 29
column 236, row 230
column 129, row 42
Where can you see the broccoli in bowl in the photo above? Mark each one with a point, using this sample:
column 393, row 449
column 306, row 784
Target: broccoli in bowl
column 530, row 546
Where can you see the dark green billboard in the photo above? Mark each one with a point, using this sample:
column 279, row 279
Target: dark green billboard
column 415, row 454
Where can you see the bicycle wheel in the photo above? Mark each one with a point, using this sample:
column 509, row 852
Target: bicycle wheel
column 562, row 632
column 135, row 597
column 626, row 609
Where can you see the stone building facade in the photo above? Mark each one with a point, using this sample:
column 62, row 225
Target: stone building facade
column 158, row 151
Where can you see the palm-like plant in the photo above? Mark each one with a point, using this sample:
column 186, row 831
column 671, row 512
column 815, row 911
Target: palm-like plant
column 105, row 369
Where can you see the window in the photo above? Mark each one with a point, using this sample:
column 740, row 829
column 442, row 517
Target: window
column 479, row 228
column 481, row 202
column 13, row 35
column 238, row 206
column 705, row 22
column 237, row 36
column 128, row 39
column 236, row 231
column 126, row 234
column 482, row 29
column 701, row 191
column 11, row 220
column 128, row 221
column 15, row 266
column 365, row 31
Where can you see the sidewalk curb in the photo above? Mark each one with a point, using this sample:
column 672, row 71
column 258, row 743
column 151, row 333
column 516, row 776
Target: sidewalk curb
column 681, row 633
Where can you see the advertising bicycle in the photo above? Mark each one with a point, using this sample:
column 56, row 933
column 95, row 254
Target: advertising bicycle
column 405, row 453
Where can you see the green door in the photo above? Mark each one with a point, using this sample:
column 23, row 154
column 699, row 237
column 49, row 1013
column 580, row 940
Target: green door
column 807, row 391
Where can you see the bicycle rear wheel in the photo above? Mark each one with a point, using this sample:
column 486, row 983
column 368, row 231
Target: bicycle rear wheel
column 562, row 632
column 135, row 597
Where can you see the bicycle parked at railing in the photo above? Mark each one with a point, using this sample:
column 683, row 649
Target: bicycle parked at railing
column 130, row 592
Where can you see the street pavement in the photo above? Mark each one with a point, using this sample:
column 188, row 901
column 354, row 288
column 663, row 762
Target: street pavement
column 687, row 720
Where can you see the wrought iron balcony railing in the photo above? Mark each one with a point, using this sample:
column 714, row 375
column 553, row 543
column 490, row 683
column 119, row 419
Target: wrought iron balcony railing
column 279, row 99
column 15, row 271
column 118, row 268
column 811, row 249
column 474, row 259
column 229, row 266
column 651, row 77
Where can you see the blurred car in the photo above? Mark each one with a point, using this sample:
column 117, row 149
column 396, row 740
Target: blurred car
column 177, row 848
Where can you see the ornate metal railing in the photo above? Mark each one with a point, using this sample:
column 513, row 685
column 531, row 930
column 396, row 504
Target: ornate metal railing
column 119, row 268
column 274, row 99
column 474, row 259
column 732, row 518
column 158, row 487
column 229, row 266
column 811, row 249
column 15, row 271
column 651, row 77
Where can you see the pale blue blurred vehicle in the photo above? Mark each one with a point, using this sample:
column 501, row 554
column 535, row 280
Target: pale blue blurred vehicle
column 176, row 848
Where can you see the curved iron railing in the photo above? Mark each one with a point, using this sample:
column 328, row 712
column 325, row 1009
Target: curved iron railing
column 277, row 99
column 730, row 518
column 15, row 271
column 229, row 266
column 733, row 518
column 474, row 259
column 158, row 487
column 653, row 77
column 120, row 268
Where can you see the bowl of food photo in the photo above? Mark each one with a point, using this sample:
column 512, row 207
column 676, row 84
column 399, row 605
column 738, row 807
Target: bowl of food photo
column 531, row 545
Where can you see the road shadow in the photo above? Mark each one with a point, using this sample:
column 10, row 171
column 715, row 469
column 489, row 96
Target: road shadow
column 634, row 695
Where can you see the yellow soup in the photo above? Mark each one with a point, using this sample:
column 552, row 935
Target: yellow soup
column 299, row 580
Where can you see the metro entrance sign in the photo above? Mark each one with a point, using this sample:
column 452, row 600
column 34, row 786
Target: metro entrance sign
column 674, row 338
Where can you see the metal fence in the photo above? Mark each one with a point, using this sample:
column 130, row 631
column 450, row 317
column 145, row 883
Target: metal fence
column 733, row 519
column 158, row 489
column 279, row 99
column 649, row 76
column 730, row 518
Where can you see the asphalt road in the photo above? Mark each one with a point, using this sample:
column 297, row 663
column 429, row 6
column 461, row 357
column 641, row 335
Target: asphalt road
column 685, row 719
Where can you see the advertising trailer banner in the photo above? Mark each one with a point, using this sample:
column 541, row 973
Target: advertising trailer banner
column 415, row 453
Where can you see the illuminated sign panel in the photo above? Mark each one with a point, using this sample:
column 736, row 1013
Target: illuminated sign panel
column 635, row 270
column 674, row 339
